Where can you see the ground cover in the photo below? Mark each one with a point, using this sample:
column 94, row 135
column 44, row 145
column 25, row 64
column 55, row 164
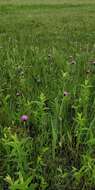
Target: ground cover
column 47, row 75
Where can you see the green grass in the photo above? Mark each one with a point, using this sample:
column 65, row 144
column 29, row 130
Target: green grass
column 46, row 2
column 47, row 51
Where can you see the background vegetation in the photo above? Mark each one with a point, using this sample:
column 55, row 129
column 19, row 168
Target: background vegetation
column 47, row 72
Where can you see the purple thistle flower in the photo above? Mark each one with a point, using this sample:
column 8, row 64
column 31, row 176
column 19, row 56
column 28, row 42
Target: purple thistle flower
column 24, row 118
column 66, row 93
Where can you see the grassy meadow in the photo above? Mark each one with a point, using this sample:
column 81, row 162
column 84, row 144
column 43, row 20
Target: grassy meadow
column 47, row 95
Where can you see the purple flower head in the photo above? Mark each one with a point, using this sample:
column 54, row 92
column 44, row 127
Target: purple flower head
column 66, row 93
column 24, row 118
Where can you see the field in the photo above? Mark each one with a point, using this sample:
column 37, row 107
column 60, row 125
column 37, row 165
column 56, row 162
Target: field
column 47, row 95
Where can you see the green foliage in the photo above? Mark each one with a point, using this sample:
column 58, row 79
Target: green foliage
column 47, row 67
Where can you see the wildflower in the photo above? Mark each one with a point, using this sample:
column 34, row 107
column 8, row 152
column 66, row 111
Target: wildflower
column 24, row 118
column 66, row 93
